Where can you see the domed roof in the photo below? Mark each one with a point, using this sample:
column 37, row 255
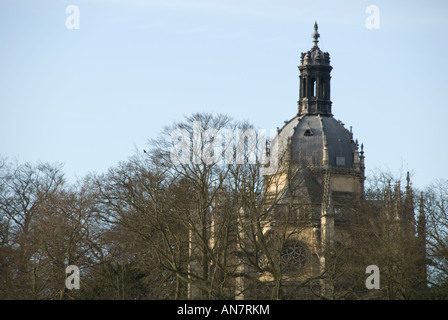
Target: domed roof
column 310, row 136
column 315, row 56
column 314, row 138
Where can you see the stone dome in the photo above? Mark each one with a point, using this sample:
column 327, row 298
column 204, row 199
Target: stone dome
column 315, row 140
column 319, row 141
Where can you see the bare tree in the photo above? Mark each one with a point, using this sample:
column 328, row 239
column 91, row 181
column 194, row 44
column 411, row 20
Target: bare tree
column 384, row 233
column 275, row 218
column 194, row 165
column 24, row 191
column 435, row 206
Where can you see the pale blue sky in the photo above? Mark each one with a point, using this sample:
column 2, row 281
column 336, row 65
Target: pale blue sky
column 89, row 97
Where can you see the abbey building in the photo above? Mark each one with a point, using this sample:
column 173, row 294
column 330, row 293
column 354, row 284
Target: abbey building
column 313, row 233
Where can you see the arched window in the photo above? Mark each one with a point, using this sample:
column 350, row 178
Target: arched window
column 322, row 88
column 313, row 87
column 304, row 88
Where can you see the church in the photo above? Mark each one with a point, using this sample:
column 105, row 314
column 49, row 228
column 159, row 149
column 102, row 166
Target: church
column 321, row 168
column 304, row 246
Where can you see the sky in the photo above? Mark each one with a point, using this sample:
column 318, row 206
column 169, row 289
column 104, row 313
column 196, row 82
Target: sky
column 90, row 97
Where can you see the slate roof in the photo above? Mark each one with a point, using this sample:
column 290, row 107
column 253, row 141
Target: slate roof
column 307, row 135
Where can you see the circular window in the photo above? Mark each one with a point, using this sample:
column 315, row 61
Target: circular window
column 294, row 256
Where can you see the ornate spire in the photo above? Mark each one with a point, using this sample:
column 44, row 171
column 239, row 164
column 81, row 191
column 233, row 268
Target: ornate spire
column 408, row 179
column 315, row 77
column 361, row 158
column 316, row 34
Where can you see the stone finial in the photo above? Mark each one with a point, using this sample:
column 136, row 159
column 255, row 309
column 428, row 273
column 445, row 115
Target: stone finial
column 408, row 180
column 315, row 34
column 325, row 156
